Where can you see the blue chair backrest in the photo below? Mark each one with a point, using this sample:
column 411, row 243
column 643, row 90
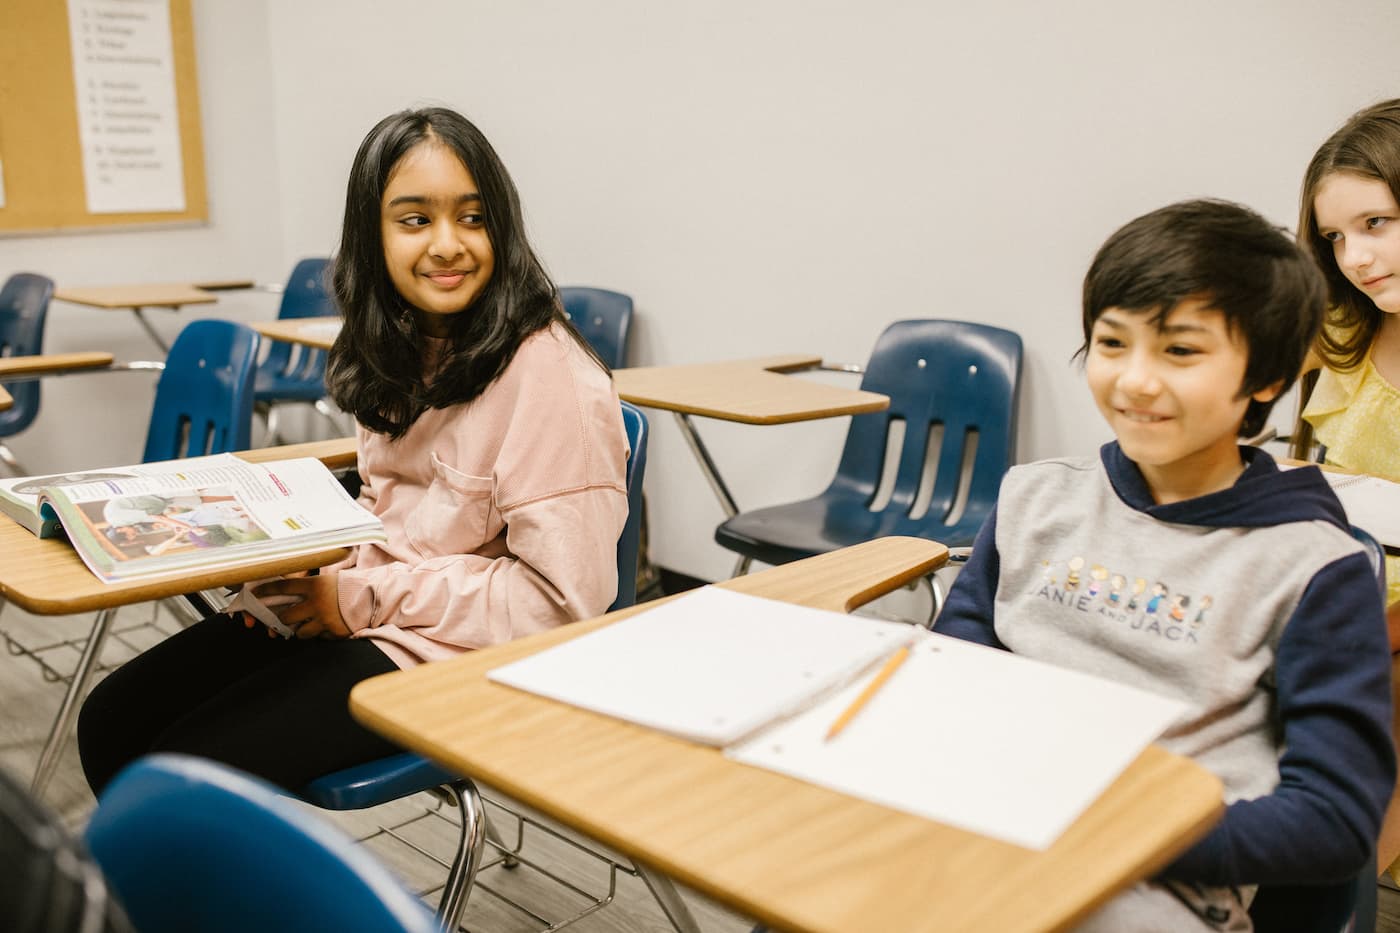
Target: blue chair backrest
column 204, row 399
column 962, row 377
column 603, row 317
column 306, row 295
column 635, row 424
column 24, row 303
column 190, row 844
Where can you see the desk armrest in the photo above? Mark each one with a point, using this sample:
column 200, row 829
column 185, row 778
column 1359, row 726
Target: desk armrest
column 53, row 363
column 227, row 285
column 336, row 454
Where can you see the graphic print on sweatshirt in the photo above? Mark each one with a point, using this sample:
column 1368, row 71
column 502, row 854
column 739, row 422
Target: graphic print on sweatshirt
column 1118, row 596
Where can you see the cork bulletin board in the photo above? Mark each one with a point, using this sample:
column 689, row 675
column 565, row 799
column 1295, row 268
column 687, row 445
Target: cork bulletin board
column 44, row 177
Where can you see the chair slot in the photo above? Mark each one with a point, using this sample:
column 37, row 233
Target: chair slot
column 928, row 477
column 211, row 436
column 182, row 438
column 969, row 457
column 889, row 469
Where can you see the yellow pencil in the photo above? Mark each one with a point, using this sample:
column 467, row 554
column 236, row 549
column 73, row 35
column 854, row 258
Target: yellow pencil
column 878, row 681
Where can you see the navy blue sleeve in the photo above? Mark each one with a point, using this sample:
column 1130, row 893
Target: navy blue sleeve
column 967, row 612
column 1337, row 771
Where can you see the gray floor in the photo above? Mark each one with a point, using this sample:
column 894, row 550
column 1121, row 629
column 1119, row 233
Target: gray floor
column 29, row 701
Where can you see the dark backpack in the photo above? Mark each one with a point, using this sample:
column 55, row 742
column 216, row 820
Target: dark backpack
column 48, row 882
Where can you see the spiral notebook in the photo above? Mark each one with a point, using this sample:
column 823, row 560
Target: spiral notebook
column 1371, row 503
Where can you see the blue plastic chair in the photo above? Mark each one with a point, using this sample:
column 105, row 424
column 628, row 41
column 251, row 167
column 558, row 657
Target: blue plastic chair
column 290, row 373
column 190, row 844
column 24, row 304
column 603, row 317
column 955, row 376
column 378, row 782
column 1325, row 908
column 204, row 399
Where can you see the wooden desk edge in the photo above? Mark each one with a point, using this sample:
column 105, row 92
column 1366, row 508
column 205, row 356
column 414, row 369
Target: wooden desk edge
column 336, row 453
column 124, row 297
column 53, row 363
column 293, row 330
column 128, row 592
column 877, row 403
column 859, row 401
column 223, row 285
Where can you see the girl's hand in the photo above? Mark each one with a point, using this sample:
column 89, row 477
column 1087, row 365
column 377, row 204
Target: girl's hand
column 317, row 614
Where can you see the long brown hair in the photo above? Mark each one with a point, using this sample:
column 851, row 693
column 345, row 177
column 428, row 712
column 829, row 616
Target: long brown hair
column 1367, row 146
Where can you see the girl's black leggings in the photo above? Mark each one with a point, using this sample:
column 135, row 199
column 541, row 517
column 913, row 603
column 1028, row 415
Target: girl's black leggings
column 275, row 708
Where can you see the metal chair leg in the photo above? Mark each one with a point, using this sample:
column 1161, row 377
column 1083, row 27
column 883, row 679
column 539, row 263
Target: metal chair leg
column 669, row 899
column 741, row 566
column 493, row 836
column 329, row 413
column 273, row 437
column 468, row 859
column 936, row 596
column 63, row 722
column 957, row 556
column 7, row 457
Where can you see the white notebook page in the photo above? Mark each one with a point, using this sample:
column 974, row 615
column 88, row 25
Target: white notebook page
column 711, row 666
column 974, row 737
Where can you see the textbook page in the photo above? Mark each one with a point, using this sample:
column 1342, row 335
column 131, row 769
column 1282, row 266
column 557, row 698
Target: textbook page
column 19, row 496
column 710, row 666
column 974, row 737
column 224, row 512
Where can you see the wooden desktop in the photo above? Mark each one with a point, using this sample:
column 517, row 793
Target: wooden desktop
column 794, row 855
column 136, row 298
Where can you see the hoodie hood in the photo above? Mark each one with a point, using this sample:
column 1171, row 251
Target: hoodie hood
column 1259, row 498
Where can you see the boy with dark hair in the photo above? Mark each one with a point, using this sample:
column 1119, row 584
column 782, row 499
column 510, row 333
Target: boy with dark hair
column 1235, row 587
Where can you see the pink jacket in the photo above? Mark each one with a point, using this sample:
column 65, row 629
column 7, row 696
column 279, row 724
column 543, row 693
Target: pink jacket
column 502, row 513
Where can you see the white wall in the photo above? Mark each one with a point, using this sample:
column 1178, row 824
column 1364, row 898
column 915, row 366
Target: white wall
column 778, row 176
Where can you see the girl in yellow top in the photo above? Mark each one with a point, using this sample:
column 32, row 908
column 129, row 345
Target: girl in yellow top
column 1350, row 220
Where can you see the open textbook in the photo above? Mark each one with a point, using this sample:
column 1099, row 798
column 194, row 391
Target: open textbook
column 162, row 519
column 965, row 735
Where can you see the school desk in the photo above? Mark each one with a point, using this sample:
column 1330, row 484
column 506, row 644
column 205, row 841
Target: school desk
column 51, row 364
column 45, row 576
column 316, row 332
column 33, row 367
column 224, row 285
column 136, row 298
column 750, row 391
column 794, row 855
